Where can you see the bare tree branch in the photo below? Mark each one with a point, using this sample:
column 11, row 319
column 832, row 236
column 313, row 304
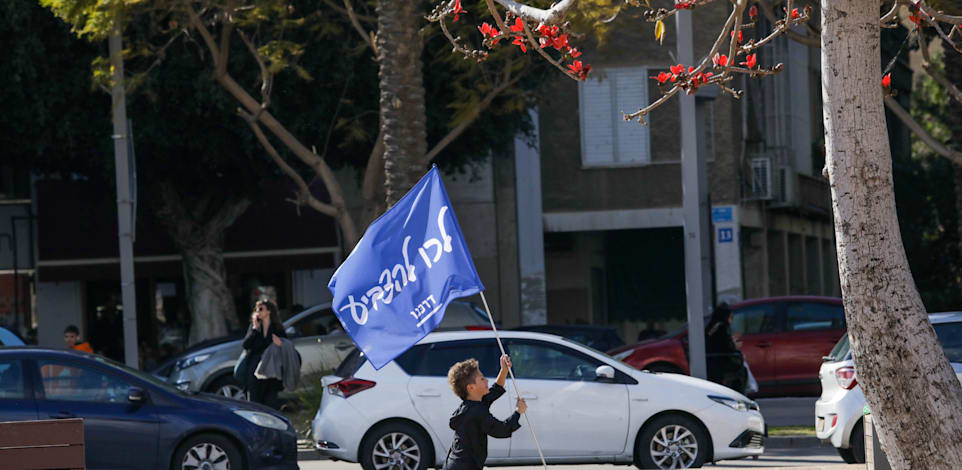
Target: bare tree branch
column 813, row 40
column 267, row 78
column 460, row 128
column 304, row 195
column 341, row 10
column 930, row 68
column 550, row 16
column 916, row 129
column 352, row 16
column 938, row 15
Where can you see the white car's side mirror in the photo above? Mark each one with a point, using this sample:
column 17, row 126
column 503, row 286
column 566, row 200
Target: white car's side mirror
column 605, row 372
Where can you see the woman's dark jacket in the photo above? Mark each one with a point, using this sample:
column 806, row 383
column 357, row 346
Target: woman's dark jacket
column 255, row 343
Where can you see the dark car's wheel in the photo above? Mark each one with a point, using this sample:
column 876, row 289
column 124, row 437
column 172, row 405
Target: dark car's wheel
column 207, row 452
column 226, row 386
column 672, row 441
column 396, row 446
column 856, row 450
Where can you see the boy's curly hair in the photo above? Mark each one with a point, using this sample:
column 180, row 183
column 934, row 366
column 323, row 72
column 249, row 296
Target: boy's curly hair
column 462, row 374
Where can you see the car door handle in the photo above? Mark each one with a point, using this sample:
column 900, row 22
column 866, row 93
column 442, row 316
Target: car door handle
column 428, row 394
column 343, row 346
column 763, row 344
column 63, row 415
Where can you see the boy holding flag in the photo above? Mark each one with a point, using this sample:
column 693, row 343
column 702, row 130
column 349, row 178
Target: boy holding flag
column 472, row 422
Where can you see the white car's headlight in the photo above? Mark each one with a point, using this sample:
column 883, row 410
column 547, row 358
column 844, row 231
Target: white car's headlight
column 262, row 419
column 191, row 361
column 737, row 405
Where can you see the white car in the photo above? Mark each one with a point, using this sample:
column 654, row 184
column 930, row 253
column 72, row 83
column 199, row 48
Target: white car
column 584, row 406
column 838, row 412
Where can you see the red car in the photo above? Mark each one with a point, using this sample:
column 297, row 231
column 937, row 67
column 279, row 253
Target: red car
column 783, row 341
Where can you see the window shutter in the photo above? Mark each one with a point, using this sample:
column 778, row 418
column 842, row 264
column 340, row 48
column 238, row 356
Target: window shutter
column 597, row 136
column 632, row 94
column 606, row 138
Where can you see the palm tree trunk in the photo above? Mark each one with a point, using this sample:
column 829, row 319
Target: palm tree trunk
column 402, row 95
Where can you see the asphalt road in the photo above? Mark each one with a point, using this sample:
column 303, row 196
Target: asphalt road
column 788, row 411
column 812, row 456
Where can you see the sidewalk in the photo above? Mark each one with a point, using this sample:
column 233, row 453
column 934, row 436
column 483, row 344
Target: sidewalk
column 841, row 466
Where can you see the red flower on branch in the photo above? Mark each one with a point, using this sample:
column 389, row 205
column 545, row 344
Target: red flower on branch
column 684, row 5
column 457, row 9
column 578, row 68
column 795, row 14
column 916, row 19
column 518, row 26
column 519, row 41
column 753, row 12
column 574, row 52
column 720, row 60
column 701, row 77
column 490, row 31
column 740, row 37
column 887, row 80
column 662, row 77
column 750, row 61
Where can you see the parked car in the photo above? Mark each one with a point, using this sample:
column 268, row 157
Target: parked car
column 783, row 341
column 601, row 338
column 316, row 334
column 133, row 421
column 584, row 406
column 838, row 412
column 9, row 338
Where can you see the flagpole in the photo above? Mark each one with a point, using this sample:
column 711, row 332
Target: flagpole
column 513, row 381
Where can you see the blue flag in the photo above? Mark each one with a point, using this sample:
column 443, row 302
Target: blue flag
column 392, row 290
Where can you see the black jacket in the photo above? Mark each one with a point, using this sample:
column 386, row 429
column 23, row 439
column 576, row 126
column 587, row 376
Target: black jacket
column 255, row 343
column 472, row 423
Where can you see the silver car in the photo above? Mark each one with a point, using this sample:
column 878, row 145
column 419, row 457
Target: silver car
column 316, row 334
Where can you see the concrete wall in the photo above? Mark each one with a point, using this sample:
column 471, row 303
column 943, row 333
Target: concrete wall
column 59, row 304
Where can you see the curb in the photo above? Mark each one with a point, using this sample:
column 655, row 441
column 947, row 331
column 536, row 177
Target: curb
column 309, row 454
column 792, row 442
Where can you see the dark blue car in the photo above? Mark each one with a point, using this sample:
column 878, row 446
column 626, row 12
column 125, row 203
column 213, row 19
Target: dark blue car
column 132, row 421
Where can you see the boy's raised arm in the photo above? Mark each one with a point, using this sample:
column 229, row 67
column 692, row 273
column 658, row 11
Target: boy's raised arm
column 503, row 374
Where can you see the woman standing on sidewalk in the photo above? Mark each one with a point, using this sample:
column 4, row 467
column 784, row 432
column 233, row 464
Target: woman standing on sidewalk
column 266, row 328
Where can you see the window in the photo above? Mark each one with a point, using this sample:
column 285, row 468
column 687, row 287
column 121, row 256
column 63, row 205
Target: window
column 545, row 361
column 11, row 380
column 754, row 319
column 436, row 358
column 811, row 316
column 606, row 138
column 950, row 335
column 69, row 382
column 318, row 323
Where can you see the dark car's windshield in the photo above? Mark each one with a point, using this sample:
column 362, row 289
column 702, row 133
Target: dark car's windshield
column 841, row 350
column 950, row 335
column 146, row 377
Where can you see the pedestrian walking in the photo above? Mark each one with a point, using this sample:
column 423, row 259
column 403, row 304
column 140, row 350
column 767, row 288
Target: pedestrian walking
column 266, row 329
column 472, row 422
column 723, row 358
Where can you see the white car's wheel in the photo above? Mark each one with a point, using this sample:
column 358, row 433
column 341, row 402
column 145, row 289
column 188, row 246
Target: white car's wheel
column 396, row 446
column 672, row 441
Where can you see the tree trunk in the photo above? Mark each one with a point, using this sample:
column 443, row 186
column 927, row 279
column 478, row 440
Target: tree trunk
column 908, row 382
column 402, row 95
column 198, row 231
column 210, row 302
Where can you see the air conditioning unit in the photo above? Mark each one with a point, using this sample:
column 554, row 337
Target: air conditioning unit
column 761, row 178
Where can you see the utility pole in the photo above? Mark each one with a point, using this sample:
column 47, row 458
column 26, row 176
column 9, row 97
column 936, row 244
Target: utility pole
column 124, row 201
column 694, row 184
